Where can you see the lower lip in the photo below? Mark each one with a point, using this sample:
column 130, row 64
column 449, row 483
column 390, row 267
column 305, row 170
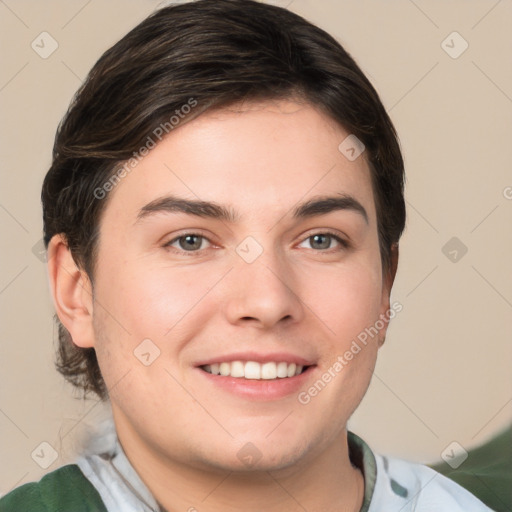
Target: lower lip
column 262, row 389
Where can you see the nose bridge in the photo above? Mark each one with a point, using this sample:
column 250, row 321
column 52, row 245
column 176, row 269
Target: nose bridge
column 262, row 287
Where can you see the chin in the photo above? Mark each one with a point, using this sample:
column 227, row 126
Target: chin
column 256, row 456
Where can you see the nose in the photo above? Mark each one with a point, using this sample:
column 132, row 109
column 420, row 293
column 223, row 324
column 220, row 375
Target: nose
column 264, row 293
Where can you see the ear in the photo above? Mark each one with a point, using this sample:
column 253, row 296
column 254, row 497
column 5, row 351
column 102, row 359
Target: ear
column 71, row 290
column 388, row 279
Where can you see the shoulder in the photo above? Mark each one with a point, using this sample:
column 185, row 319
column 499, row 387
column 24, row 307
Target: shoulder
column 415, row 487
column 65, row 488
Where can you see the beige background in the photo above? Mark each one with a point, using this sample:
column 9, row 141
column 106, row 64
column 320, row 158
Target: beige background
column 444, row 372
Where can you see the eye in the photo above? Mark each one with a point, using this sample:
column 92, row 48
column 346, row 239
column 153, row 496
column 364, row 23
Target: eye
column 188, row 242
column 324, row 241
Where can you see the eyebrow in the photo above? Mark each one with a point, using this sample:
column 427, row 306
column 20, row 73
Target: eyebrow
column 324, row 205
column 190, row 206
column 311, row 208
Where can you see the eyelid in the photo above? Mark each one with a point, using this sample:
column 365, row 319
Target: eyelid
column 341, row 238
column 177, row 236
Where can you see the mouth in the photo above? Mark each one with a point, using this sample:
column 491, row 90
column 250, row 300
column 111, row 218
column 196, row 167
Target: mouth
column 257, row 376
column 253, row 370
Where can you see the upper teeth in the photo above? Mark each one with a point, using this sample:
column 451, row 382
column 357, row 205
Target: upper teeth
column 254, row 370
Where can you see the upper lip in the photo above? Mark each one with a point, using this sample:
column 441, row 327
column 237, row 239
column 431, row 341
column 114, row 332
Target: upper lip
column 276, row 357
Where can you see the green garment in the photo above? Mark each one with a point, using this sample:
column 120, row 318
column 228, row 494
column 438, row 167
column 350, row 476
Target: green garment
column 487, row 472
column 63, row 490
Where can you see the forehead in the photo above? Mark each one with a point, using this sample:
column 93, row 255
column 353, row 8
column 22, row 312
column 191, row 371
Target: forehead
column 260, row 158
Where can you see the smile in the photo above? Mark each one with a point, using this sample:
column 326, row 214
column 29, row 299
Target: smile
column 254, row 370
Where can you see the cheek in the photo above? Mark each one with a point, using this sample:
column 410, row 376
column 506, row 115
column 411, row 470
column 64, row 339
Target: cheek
column 149, row 300
column 346, row 299
column 349, row 304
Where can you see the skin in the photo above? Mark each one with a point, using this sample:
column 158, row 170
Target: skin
column 181, row 432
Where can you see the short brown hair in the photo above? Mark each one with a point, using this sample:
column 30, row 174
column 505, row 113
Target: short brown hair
column 218, row 53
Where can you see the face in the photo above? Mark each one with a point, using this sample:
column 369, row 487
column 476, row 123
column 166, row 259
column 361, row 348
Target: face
column 244, row 243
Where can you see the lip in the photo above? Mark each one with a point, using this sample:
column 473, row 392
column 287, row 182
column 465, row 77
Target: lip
column 276, row 357
column 262, row 389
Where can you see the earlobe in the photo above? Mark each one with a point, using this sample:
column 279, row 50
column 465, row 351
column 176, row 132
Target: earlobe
column 72, row 293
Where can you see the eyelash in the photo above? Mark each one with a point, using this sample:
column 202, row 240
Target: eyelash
column 168, row 245
column 343, row 243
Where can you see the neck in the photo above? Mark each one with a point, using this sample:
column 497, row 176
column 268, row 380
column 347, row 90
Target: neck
column 326, row 481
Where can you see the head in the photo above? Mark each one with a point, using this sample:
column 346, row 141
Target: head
column 222, row 122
